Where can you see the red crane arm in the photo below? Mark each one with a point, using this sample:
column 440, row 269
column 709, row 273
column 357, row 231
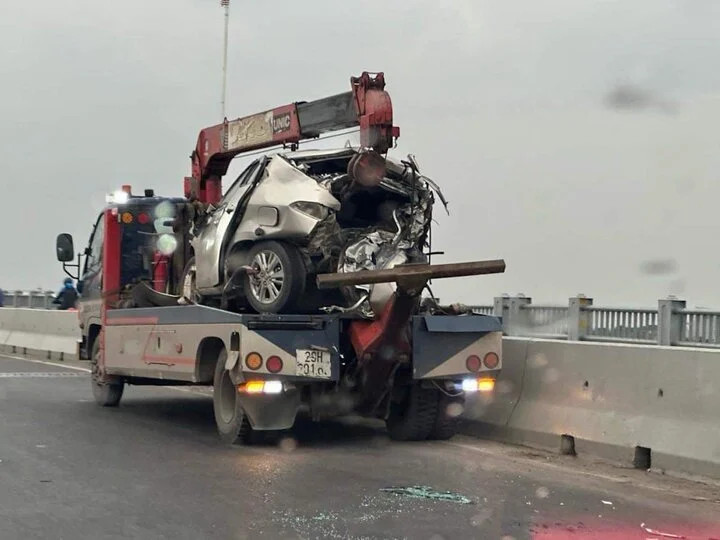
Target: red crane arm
column 367, row 105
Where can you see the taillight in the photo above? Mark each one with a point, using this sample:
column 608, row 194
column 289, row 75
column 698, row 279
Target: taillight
column 143, row 218
column 491, row 360
column 483, row 384
column 127, row 218
column 486, row 385
column 253, row 361
column 252, row 387
column 274, row 364
column 473, row 363
column 260, row 387
column 312, row 209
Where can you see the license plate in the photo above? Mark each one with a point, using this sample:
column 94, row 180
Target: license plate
column 312, row 363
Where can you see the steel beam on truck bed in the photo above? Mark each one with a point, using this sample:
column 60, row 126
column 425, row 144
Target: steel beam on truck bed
column 410, row 273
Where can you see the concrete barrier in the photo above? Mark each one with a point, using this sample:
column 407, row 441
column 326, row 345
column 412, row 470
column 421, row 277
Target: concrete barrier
column 49, row 332
column 649, row 406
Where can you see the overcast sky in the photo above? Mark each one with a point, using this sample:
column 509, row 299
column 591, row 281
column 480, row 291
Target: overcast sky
column 577, row 140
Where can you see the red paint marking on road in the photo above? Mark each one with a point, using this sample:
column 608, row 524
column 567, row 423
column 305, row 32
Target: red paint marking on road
column 628, row 532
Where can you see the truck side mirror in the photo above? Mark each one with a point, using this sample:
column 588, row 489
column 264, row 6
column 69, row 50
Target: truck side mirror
column 64, row 247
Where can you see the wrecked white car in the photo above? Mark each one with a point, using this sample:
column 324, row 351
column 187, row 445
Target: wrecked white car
column 291, row 216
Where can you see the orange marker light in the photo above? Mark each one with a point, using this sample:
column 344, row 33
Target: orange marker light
column 485, row 385
column 127, row 217
column 252, row 387
column 253, row 361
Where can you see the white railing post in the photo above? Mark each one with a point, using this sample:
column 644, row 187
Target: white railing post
column 501, row 308
column 669, row 321
column 578, row 317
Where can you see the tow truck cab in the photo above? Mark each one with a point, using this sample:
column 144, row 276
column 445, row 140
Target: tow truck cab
column 134, row 239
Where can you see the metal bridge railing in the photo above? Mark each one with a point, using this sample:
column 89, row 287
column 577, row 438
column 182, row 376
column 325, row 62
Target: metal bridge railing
column 483, row 310
column 670, row 324
column 546, row 321
column 622, row 325
column 31, row 299
column 698, row 328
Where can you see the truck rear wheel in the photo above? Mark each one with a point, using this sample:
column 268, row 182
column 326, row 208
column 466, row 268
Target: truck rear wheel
column 413, row 418
column 107, row 391
column 232, row 423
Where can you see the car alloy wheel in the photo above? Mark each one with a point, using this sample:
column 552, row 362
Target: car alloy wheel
column 267, row 282
column 188, row 286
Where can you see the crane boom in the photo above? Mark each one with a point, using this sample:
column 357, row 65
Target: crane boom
column 366, row 105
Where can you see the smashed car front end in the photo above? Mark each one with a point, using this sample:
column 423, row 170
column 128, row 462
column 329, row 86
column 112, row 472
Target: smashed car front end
column 383, row 221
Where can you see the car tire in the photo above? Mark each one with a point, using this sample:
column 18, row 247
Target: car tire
column 232, row 423
column 187, row 287
column 279, row 284
column 413, row 418
column 106, row 390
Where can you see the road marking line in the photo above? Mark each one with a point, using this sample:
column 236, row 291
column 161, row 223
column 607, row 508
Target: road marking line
column 86, row 370
column 45, row 362
column 37, row 374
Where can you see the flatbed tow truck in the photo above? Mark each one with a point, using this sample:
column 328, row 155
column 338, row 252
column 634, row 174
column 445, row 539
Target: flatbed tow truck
column 410, row 365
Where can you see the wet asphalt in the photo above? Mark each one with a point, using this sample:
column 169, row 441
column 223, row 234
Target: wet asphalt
column 153, row 468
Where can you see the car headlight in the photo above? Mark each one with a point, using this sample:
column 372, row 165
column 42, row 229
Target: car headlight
column 312, row 209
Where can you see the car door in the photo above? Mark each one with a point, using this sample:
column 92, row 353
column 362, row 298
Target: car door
column 208, row 243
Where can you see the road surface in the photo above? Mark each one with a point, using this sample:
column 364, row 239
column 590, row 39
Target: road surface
column 153, row 468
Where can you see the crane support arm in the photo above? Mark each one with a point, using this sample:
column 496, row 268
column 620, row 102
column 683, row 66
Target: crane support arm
column 366, row 105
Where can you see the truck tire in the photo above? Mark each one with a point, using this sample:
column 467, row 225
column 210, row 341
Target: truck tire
column 413, row 418
column 232, row 423
column 447, row 420
column 279, row 283
column 107, row 391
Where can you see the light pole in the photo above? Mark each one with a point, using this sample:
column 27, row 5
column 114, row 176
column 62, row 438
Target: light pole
column 226, row 5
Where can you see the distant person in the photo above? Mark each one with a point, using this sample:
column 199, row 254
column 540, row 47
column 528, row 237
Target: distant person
column 67, row 297
column 2, row 298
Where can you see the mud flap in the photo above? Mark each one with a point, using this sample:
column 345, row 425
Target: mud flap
column 271, row 412
column 232, row 359
column 443, row 343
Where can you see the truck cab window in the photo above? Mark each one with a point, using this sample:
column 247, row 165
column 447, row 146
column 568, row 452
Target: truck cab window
column 94, row 257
